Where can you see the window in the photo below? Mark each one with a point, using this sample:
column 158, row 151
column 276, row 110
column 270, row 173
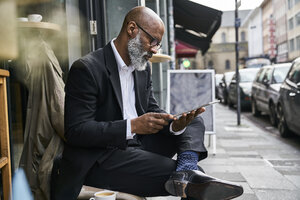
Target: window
column 223, row 37
column 261, row 74
column 243, row 36
column 227, row 64
column 292, row 45
column 210, row 64
column 291, row 24
column 290, row 4
column 294, row 74
column 297, row 19
column 298, row 42
column 268, row 75
column 279, row 74
column 248, row 75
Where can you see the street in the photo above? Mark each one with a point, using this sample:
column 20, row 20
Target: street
column 255, row 155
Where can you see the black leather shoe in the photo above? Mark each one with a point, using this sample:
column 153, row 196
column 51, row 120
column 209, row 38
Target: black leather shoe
column 199, row 186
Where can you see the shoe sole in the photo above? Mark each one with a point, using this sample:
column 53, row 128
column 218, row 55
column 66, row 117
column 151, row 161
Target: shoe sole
column 207, row 191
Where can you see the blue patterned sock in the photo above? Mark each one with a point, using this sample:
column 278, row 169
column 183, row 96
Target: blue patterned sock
column 187, row 160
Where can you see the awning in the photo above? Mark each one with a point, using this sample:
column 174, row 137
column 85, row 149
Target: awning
column 195, row 24
column 184, row 50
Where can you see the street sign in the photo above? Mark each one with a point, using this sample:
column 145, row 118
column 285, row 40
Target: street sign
column 237, row 22
column 238, row 4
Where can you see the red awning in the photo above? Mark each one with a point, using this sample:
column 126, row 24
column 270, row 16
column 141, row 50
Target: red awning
column 184, row 50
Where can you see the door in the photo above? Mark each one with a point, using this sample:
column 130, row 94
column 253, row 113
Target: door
column 264, row 96
column 294, row 96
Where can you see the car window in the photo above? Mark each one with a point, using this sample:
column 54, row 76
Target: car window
column 228, row 77
column 247, row 76
column 258, row 74
column 267, row 75
column 218, row 79
column 279, row 74
column 261, row 75
column 294, row 74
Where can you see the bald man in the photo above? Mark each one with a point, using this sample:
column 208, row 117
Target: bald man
column 117, row 137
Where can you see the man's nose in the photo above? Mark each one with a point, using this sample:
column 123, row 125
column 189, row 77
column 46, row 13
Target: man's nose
column 154, row 50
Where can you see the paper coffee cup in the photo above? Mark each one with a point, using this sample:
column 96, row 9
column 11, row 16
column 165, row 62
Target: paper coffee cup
column 35, row 17
column 104, row 195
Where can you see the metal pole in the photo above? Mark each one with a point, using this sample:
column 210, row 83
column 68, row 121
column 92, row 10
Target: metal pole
column 237, row 24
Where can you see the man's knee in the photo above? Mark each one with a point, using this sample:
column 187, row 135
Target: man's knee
column 196, row 125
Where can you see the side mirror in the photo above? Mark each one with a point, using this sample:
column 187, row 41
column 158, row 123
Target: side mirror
column 266, row 82
column 222, row 84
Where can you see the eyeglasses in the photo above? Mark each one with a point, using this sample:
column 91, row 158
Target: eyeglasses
column 154, row 42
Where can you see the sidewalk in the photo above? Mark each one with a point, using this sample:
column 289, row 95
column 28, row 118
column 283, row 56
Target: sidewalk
column 266, row 167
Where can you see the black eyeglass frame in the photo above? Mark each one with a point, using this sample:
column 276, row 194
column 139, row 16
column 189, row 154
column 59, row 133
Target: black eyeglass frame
column 154, row 42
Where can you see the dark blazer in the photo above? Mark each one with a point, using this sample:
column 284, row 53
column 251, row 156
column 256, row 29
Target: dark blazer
column 94, row 124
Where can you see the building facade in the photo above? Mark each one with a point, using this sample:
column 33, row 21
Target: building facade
column 268, row 29
column 293, row 28
column 221, row 55
column 280, row 30
column 253, row 22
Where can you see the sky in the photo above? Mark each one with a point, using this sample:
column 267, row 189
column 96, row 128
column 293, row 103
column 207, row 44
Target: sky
column 229, row 4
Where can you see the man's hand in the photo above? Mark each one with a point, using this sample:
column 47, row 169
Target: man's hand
column 150, row 123
column 185, row 119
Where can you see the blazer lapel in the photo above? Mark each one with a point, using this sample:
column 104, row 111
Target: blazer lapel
column 138, row 88
column 114, row 77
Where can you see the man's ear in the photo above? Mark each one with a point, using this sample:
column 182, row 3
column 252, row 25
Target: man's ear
column 131, row 30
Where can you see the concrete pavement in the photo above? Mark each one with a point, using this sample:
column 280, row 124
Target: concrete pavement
column 266, row 166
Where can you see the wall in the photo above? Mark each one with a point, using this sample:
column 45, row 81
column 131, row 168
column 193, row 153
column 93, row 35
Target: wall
column 255, row 42
column 267, row 13
column 281, row 30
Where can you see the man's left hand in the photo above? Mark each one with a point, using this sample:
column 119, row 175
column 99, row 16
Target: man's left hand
column 185, row 119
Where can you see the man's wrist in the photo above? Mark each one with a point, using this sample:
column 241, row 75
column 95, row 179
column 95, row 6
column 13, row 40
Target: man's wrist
column 176, row 132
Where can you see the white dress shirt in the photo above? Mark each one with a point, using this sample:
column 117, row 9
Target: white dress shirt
column 128, row 93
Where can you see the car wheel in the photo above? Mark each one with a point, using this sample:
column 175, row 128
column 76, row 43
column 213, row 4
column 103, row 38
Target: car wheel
column 230, row 104
column 225, row 100
column 254, row 109
column 282, row 126
column 272, row 115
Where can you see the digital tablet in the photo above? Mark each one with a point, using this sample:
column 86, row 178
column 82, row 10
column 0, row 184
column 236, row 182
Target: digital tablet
column 204, row 105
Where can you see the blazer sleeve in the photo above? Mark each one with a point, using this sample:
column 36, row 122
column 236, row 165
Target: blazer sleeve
column 81, row 128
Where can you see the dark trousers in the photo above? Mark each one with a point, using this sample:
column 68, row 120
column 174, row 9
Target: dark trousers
column 146, row 164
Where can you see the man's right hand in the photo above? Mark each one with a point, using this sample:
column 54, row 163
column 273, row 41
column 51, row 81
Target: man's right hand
column 150, row 123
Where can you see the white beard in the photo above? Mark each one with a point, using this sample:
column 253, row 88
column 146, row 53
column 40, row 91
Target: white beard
column 137, row 54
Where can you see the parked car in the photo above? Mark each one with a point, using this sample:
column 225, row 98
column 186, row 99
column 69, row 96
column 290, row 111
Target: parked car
column 246, row 78
column 224, row 85
column 265, row 90
column 288, row 106
column 218, row 88
column 257, row 62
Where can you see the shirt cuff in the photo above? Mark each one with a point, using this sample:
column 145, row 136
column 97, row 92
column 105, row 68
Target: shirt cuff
column 178, row 132
column 129, row 135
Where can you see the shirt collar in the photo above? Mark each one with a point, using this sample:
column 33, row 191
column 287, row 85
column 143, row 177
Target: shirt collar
column 121, row 64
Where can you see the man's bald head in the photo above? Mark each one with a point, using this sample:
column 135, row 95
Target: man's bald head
column 143, row 16
column 140, row 36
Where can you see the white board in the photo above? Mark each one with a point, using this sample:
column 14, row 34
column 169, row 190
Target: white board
column 188, row 89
